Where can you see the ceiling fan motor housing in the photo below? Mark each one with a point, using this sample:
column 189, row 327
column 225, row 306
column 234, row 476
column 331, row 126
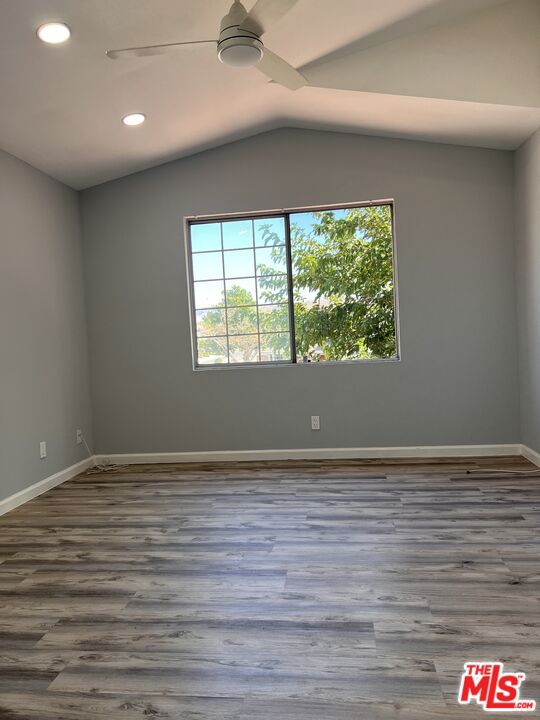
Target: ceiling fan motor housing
column 236, row 46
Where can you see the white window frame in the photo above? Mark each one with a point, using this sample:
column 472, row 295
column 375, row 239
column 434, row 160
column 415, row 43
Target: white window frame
column 285, row 213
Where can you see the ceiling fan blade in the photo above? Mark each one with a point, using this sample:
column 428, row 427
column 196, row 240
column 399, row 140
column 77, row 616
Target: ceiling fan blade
column 266, row 13
column 280, row 71
column 151, row 49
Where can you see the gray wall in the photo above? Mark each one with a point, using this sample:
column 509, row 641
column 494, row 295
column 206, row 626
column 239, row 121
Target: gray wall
column 457, row 382
column 527, row 213
column 44, row 391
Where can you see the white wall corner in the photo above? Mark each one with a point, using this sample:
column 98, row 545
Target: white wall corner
column 530, row 455
column 31, row 492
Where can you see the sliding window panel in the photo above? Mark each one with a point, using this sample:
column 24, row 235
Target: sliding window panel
column 343, row 283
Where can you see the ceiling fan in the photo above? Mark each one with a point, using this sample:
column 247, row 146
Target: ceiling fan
column 239, row 43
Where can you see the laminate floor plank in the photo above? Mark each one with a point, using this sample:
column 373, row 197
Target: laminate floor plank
column 303, row 590
column 226, row 638
column 50, row 705
column 20, row 632
column 365, row 605
column 330, row 677
column 258, row 708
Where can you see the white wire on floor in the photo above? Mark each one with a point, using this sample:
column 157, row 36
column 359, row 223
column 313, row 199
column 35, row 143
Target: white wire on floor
column 100, row 467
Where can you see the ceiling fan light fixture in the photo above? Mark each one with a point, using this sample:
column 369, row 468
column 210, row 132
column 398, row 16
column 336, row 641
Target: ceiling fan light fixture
column 239, row 42
column 53, row 33
column 240, row 51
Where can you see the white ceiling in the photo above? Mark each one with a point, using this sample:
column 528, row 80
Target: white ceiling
column 461, row 71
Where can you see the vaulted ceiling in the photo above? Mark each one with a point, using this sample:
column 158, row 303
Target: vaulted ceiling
column 457, row 71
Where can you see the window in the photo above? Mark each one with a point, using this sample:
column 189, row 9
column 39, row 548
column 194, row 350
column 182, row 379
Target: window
column 294, row 287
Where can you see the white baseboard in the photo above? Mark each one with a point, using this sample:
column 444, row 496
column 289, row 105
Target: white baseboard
column 530, row 455
column 23, row 496
column 426, row 451
column 423, row 451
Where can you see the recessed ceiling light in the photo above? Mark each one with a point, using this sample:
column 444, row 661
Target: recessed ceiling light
column 134, row 119
column 54, row 33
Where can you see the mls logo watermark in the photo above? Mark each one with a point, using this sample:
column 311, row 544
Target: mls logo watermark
column 488, row 685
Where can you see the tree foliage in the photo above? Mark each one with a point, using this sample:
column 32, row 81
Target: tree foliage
column 344, row 265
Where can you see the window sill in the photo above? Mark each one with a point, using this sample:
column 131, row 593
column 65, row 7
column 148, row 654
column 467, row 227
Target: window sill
column 326, row 363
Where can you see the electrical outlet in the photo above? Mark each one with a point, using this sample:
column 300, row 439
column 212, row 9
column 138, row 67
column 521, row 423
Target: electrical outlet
column 315, row 422
column 79, row 437
column 42, row 449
